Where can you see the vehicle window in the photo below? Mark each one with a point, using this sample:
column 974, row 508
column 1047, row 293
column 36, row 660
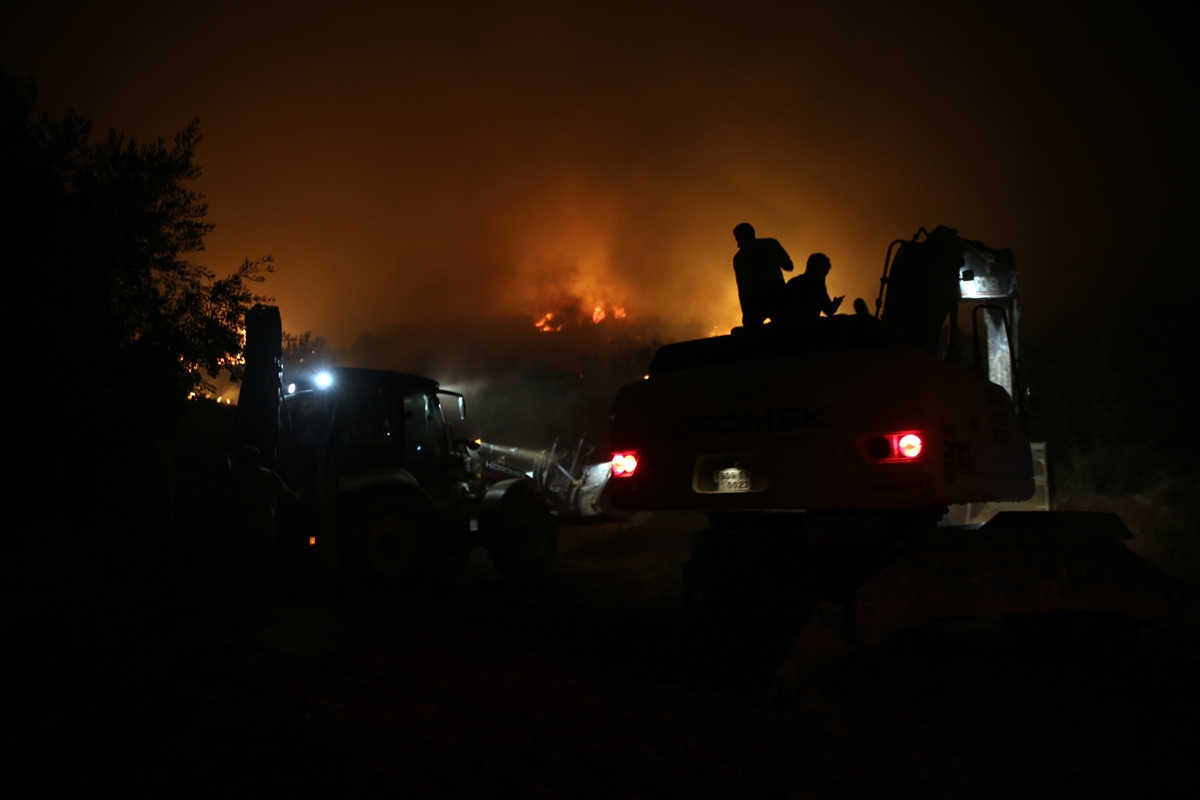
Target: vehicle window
column 366, row 421
column 309, row 415
column 435, row 425
column 424, row 429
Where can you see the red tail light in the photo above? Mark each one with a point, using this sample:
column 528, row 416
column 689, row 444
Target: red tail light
column 894, row 446
column 624, row 463
column 909, row 445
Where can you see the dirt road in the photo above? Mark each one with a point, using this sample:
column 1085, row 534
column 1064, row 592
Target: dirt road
column 592, row 685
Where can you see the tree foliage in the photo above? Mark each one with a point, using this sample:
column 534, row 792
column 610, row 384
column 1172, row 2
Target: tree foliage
column 108, row 228
column 304, row 353
column 109, row 324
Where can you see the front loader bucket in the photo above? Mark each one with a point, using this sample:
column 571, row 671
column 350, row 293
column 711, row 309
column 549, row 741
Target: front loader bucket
column 1018, row 563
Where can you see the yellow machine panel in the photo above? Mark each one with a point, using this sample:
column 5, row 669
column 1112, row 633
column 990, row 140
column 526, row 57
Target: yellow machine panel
column 804, row 431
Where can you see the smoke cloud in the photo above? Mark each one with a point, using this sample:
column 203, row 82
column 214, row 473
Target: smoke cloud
column 524, row 385
column 434, row 179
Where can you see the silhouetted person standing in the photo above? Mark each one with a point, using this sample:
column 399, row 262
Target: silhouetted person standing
column 757, row 266
column 807, row 297
column 255, row 489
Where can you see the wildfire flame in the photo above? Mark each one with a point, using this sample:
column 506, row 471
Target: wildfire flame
column 237, row 359
column 545, row 325
column 553, row 321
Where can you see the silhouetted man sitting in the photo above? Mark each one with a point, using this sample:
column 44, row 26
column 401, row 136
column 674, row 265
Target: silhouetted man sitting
column 757, row 266
column 807, row 297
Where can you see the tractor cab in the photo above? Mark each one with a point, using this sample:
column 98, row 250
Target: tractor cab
column 349, row 423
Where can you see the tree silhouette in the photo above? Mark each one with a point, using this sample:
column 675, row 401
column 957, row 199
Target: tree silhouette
column 108, row 322
column 111, row 226
column 304, row 353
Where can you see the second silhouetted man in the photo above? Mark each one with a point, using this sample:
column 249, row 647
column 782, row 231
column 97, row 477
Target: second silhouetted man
column 757, row 266
column 807, row 297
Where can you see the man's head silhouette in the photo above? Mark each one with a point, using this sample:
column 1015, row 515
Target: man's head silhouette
column 744, row 234
column 818, row 263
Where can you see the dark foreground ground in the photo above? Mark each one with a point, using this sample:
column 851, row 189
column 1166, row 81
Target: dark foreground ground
column 590, row 686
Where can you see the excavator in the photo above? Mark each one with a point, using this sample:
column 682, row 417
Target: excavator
column 863, row 474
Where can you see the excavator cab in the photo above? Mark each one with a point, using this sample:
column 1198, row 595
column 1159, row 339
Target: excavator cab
column 957, row 298
column 935, row 280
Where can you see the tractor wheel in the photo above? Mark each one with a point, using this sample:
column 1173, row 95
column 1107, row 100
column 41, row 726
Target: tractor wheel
column 394, row 543
column 520, row 537
column 448, row 554
column 388, row 538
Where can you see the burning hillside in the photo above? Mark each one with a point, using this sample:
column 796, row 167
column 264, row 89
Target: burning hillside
column 529, row 379
column 575, row 315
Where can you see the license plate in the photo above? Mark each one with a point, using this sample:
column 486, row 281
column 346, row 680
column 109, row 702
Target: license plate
column 731, row 480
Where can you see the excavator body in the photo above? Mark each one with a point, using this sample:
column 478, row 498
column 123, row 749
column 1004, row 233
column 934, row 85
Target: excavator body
column 832, row 457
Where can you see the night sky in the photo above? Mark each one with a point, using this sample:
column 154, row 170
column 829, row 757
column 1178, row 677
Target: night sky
column 432, row 179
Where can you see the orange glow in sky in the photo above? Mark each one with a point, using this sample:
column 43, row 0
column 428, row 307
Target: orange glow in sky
column 437, row 176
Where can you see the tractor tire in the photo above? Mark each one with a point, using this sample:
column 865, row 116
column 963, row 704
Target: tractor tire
column 448, row 554
column 395, row 544
column 520, row 535
column 390, row 539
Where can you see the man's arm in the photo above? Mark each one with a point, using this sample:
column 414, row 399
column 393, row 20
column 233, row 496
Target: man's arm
column 781, row 257
column 831, row 306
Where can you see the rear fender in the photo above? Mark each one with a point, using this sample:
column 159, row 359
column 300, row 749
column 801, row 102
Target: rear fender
column 365, row 496
column 1019, row 563
column 374, row 479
